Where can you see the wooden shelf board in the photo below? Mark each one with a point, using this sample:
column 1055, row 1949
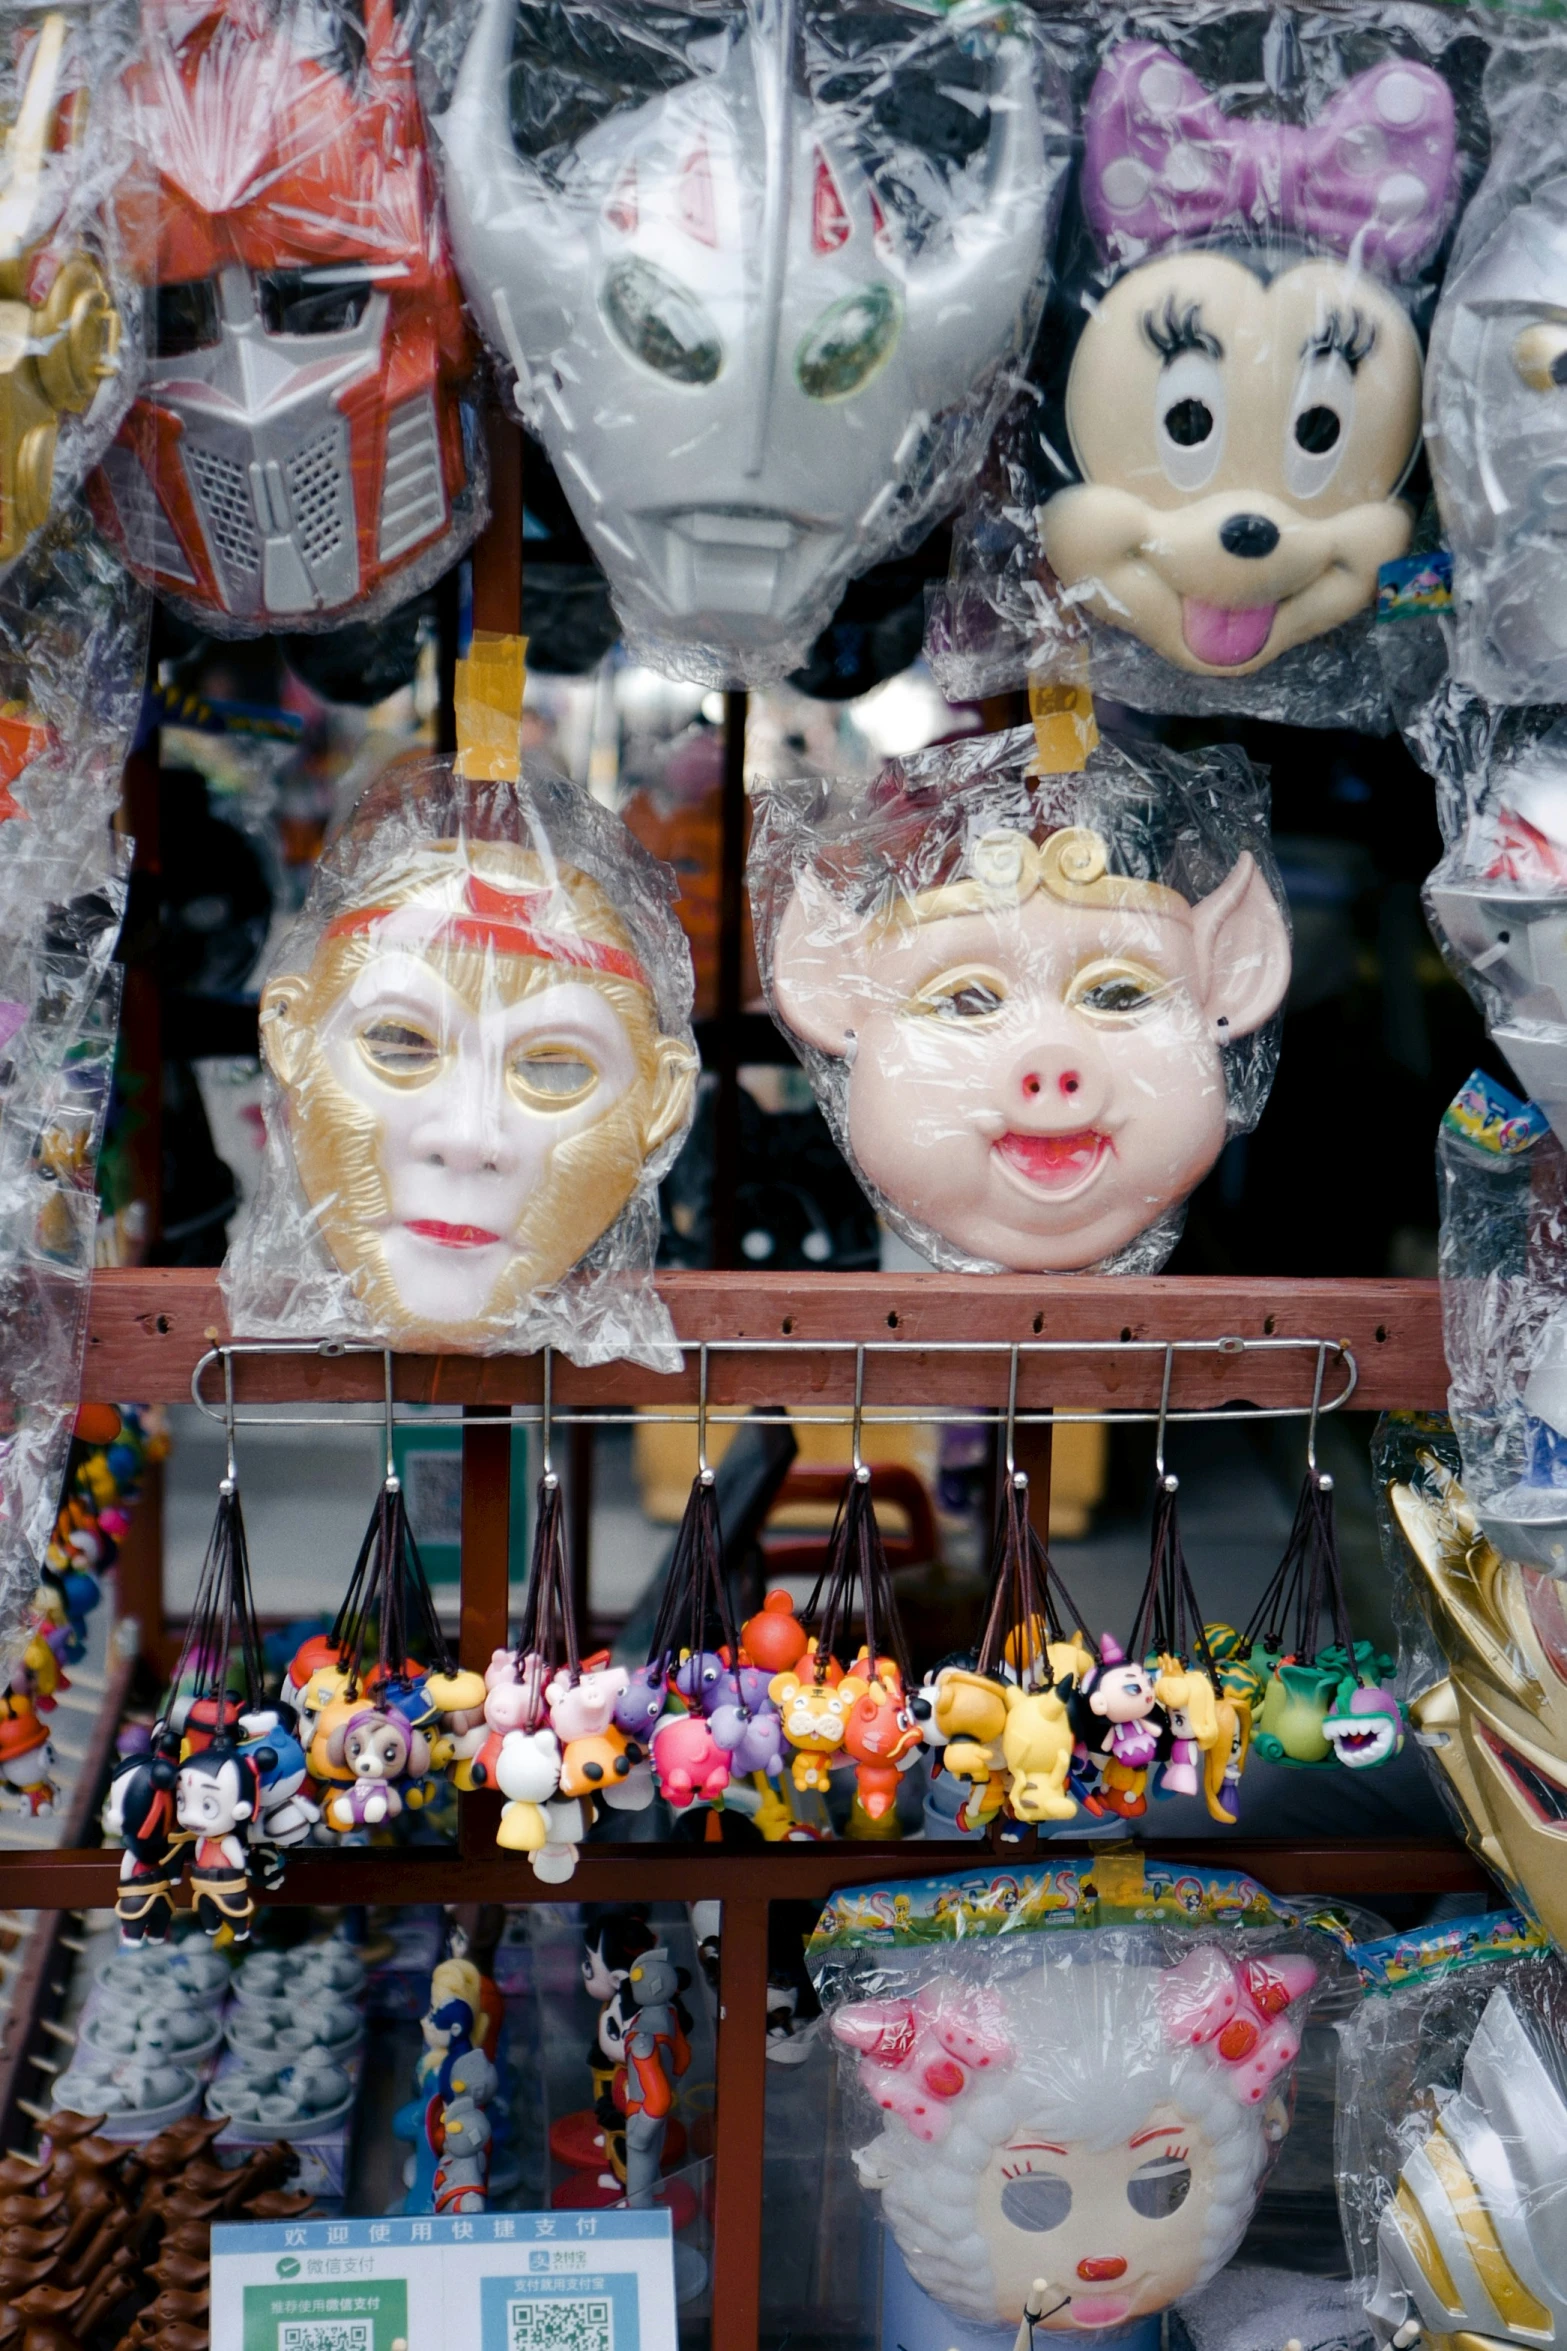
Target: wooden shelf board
column 149, row 1329
column 85, row 1878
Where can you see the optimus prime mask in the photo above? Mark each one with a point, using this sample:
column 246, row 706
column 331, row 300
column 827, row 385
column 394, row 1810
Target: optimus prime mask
column 300, row 432
column 60, row 331
column 1244, row 401
column 1496, row 1726
column 1022, row 1051
column 754, row 374
column 1496, row 433
column 485, row 1060
column 1470, row 2247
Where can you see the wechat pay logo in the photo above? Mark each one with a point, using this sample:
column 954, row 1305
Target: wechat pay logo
column 288, row 2267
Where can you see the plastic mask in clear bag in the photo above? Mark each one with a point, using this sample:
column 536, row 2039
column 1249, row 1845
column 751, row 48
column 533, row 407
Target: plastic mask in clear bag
column 1244, row 401
column 1026, row 1055
column 60, row 332
column 1496, row 431
column 300, row 429
column 738, row 358
column 475, row 1078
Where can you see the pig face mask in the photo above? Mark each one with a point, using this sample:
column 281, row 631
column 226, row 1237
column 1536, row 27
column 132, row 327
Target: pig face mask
column 1035, row 1047
column 475, row 1078
column 1244, row 402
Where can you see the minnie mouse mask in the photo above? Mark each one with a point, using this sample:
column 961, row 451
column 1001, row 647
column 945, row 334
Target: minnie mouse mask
column 481, row 1035
column 1032, row 1017
column 1244, row 401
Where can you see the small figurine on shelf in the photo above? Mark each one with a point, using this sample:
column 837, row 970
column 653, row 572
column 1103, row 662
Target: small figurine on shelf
column 657, row 2054
column 217, row 1797
column 140, row 1810
column 26, row 1759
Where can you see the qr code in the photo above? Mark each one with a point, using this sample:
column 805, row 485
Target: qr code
column 327, row 2334
column 561, row 2326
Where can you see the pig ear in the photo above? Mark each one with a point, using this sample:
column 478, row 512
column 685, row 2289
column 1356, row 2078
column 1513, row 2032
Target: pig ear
column 1243, row 951
column 818, row 970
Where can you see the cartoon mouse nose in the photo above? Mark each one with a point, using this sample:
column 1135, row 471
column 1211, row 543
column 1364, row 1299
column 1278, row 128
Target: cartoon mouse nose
column 1097, row 2273
column 1248, row 534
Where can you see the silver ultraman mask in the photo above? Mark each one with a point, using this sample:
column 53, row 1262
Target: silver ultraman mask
column 1496, row 433
column 751, row 384
column 265, row 448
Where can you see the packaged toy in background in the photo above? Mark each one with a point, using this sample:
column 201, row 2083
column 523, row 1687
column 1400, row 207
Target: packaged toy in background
column 1452, row 2134
column 71, row 314
column 1502, row 1181
column 1495, row 901
column 758, row 282
column 1198, row 501
column 1080, row 2078
column 1033, row 1007
column 1483, row 1644
column 479, row 1040
column 1496, row 408
column 305, row 447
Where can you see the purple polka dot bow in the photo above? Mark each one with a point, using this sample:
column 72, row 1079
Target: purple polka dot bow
column 1375, row 178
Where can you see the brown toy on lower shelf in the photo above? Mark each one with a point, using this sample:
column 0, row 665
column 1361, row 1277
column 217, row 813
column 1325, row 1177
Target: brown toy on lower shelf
column 108, row 2248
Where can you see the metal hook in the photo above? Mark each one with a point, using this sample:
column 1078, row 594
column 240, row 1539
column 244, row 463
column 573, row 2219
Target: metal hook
column 547, row 1466
column 229, row 1483
column 1322, row 1479
column 1015, row 1476
column 861, row 1473
column 703, row 1471
column 1166, row 1478
column 393, row 1482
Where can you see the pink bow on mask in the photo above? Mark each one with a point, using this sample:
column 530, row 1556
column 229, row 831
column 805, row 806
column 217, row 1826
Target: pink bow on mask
column 1374, row 179
column 1239, row 2014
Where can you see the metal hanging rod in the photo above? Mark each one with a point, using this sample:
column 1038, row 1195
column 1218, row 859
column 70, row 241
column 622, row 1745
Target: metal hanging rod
column 868, row 1415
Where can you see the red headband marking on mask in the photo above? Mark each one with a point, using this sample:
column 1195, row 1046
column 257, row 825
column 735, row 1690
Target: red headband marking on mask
column 503, row 921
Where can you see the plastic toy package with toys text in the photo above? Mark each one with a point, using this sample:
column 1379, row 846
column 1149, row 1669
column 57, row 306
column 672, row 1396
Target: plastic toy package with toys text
column 1495, row 402
column 1080, row 2076
column 1033, row 1008
column 72, row 655
column 1482, row 1663
column 1218, row 451
column 1452, row 2135
column 758, row 273
column 70, row 313
column 479, row 1041
column 305, row 449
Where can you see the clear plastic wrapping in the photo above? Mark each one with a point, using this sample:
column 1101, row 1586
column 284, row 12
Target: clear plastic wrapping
column 1503, row 1260
column 1032, row 1008
column 1208, row 472
column 1495, row 408
column 760, row 271
column 1496, row 900
column 72, row 657
column 1452, row 2135
column 305, row 447
column 479, row 1042
column 1066, row 2085
column 70, row 315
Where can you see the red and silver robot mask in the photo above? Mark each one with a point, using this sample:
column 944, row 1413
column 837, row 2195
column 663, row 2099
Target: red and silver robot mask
column 301, row 427
column 754, row 372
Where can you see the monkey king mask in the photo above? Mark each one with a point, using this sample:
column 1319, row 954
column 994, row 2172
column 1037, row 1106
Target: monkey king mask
column 480, row 1035
column 1032, row 1016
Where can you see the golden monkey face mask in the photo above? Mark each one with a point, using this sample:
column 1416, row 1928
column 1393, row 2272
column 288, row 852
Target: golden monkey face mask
column 480, row 1035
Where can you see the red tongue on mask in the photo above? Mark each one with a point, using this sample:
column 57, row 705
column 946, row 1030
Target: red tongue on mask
column 1225, row 635
column 1053, row 1159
